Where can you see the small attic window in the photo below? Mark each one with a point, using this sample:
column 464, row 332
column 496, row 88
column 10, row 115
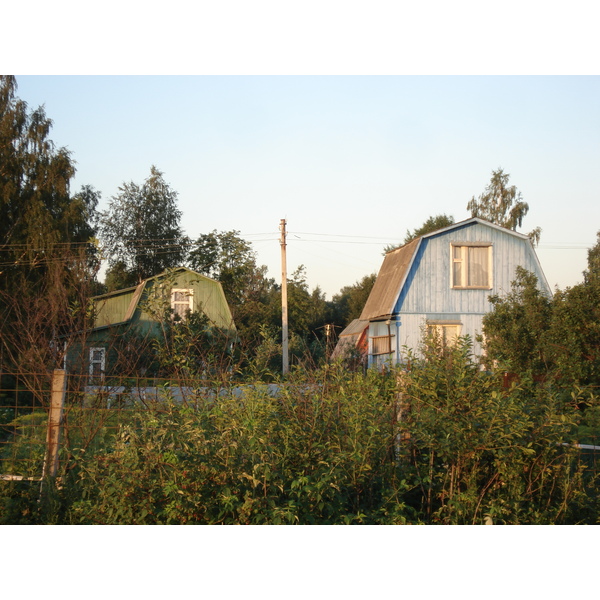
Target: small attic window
column 182, row 302
column 471, row 266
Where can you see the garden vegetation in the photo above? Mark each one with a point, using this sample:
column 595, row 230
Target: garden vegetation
column 439, row 441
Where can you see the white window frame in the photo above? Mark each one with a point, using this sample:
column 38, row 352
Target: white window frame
column 101, row 362
column 463, row 259
column 189, row 304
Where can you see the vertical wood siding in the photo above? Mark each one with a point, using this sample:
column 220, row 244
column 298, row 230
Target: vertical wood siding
column 430, row 275
column 427, row 294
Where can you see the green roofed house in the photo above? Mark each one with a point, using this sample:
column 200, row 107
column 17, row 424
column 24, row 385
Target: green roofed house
column 125, row 321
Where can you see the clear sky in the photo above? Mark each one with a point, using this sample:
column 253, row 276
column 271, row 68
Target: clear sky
column 353, row 122
column 351, row 162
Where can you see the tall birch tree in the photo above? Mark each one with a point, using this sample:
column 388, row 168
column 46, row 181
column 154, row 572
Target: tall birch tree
column 141, row 231
column 46, row 255
column 502, row 204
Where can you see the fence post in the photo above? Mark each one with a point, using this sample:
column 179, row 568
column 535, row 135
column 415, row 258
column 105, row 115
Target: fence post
column 57, row 402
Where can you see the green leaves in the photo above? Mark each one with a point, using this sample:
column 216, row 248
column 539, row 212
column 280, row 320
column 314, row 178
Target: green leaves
column 48, row 262
column 500, row 203
column 141, row 230
column 442, row 442
column 471, row 445
column 550, row 338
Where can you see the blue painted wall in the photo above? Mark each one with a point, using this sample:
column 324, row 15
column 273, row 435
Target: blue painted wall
column 428, row 296
column 429, row 279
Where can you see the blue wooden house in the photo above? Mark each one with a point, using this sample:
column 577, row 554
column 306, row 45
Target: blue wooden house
column 440, row 283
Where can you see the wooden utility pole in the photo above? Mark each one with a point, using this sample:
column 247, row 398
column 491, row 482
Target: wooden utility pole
column 284, row 302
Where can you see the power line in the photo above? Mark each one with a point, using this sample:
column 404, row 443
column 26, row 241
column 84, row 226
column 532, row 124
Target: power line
column 144, row 247
column 368, row 237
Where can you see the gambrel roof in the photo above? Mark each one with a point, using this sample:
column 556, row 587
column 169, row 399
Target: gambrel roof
column 392, row 274
column 119, row 307
column 396, row 267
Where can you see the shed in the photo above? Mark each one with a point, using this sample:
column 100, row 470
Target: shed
column 353, row 339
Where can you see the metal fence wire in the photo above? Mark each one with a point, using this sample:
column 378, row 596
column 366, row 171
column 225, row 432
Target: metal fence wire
column 49, row 417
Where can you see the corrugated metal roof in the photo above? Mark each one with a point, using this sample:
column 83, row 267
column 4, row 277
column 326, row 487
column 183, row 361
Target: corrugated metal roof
column 393, row 271
column 355, row 327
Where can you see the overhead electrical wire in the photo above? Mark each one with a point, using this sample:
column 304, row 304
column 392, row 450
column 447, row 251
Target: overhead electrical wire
column 346, row 239
column 149, row 246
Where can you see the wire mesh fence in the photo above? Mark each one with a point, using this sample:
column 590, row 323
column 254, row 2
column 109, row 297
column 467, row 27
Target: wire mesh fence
column 44, row 418
column 141, row 450
column 23, row 425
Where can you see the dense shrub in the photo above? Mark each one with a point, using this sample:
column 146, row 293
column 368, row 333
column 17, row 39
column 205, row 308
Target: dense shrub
column 480, row 452
column 440, row 442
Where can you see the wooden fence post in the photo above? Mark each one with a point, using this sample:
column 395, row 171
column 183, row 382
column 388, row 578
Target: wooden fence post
column 57, row 402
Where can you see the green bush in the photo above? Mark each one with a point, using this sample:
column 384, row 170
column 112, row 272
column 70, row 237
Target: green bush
column 439, row 442
column 478, row 451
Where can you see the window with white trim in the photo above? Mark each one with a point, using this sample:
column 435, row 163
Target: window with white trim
column 182, row 302
column 471, row 266
column 97, row 363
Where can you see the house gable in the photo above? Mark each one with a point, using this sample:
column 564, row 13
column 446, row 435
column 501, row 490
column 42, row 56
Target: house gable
column 444, row 280
column 418, row 276
column 430, row 287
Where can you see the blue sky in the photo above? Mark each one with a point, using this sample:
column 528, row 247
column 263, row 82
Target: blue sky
column 351, row 162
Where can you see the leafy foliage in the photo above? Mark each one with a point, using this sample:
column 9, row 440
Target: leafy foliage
column 141, row 230
column 478, row 450
column 442, row 442
column 556, row 338
column 48, row 260
column 514, row 328
column 502, row 204
column 348, row 304
column 34, row 179
column 229, row 259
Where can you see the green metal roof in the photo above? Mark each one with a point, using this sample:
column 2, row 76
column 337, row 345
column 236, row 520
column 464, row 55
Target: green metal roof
column 135, row 303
